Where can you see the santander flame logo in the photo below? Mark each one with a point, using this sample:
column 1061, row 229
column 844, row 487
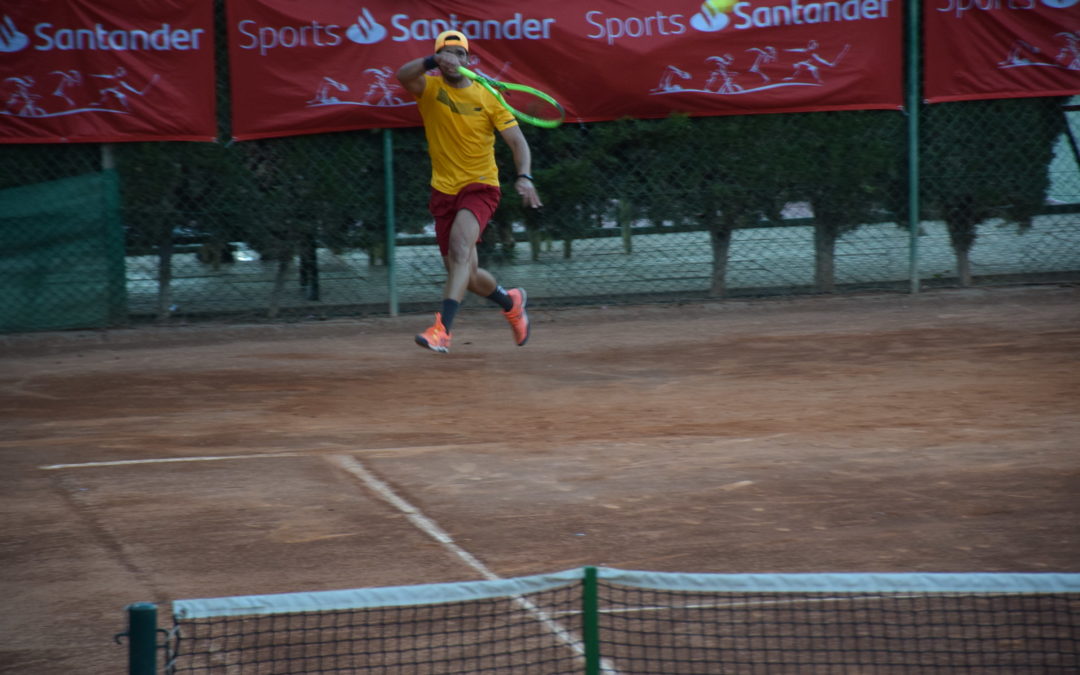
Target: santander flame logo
column 713, row 16
column 366, row 30
column 11, row 38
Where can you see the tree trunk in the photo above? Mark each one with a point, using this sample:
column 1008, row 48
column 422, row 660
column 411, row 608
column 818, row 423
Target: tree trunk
column 534, row 231
column 535, row 240
column 165, row 255
column 279, row 286
column 963, row 267
column 624, row 216
column 377, row 254
column 309, row 269
column 962, row 236
column 720, row 238
column 824, row 258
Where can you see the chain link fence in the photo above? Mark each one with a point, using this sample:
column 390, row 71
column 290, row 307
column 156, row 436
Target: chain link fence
column 634, row 210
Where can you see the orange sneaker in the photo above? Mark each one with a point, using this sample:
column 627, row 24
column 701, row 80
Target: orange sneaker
column 435, row 338
column 516, row 315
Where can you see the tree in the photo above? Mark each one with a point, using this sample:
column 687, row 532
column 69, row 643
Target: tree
column 566, row 177
column 986, row 159
column 310, row 192
column 716, row 173
column 176, row 191
column 741, row 186
column 841, row 163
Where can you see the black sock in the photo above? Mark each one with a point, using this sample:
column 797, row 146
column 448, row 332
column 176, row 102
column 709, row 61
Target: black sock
column 449, row 309
column 500, row 297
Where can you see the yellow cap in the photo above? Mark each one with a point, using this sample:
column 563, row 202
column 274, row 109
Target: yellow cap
column 451, row 38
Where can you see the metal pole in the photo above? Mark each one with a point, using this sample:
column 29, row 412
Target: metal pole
column 108, row 158
column 913, row 103
column 590, row 622
column 142, row 639
column 117, row 284
column 391, row 226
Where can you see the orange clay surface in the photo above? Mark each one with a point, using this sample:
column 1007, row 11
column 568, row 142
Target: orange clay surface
column 936, row 432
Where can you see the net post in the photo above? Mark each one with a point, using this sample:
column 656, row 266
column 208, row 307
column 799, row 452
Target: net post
column 142, row 638
column 590, row 622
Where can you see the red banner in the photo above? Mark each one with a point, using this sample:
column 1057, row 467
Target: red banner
column 107, row 70
column 977, row 49
column 328, row 65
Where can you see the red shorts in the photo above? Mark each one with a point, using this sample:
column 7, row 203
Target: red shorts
column 479, row 198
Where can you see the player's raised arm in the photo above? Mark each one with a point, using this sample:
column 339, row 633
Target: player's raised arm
column 411, row 75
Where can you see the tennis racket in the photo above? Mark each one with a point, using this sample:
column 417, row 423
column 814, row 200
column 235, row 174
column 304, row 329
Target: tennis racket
column 526, row 103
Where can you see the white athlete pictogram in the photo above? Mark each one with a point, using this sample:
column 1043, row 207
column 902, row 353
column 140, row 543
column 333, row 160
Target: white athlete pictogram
column 322, row 93
column 1025, row 54
column 382, row 89
column 378, row 85
column 120, row 87
column 1070, row 51
column 764, row 57
column 720, row 72
column 23, row 99
column 667, row 80
column 68, row 78
column 766, row 62
column 813, row 61
column 1014, row 58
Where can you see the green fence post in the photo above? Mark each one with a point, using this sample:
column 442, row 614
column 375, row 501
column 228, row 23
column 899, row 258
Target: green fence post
column 913, row 104
column 114, row 247
column 142, row 638
column 590, row 622
column 391, row 224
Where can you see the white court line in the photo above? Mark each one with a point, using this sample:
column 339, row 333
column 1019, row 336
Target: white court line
column 168, row 460
column 432, row 529
column 415, row 516
column 396, row 450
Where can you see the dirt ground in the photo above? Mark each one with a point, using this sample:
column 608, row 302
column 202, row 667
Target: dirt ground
column 937, row 432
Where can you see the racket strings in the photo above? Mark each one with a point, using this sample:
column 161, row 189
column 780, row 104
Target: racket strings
column 526, row 103
column 534, row 105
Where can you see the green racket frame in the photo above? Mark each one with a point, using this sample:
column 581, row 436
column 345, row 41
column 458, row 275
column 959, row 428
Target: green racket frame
column 496, row 88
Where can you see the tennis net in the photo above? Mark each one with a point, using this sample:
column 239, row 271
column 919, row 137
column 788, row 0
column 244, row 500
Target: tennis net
column 616, row 622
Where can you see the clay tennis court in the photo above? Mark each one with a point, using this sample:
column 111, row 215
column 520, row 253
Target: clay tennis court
column 935, row 432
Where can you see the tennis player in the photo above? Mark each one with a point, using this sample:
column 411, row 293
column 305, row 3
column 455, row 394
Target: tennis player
column 460, row 121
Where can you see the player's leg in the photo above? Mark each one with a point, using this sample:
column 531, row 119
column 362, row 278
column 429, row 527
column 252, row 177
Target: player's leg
column 461, row 258
column 437, row 336
column 457, row 242
column 465, row 274
column 482, row 282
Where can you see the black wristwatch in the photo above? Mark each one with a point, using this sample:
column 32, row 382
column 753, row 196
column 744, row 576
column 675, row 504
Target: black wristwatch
column 525, row 175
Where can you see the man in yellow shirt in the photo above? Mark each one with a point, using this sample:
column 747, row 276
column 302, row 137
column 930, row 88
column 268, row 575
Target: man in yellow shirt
column 460, row 121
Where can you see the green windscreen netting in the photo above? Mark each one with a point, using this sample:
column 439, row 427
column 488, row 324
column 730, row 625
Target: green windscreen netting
column 62, row 262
